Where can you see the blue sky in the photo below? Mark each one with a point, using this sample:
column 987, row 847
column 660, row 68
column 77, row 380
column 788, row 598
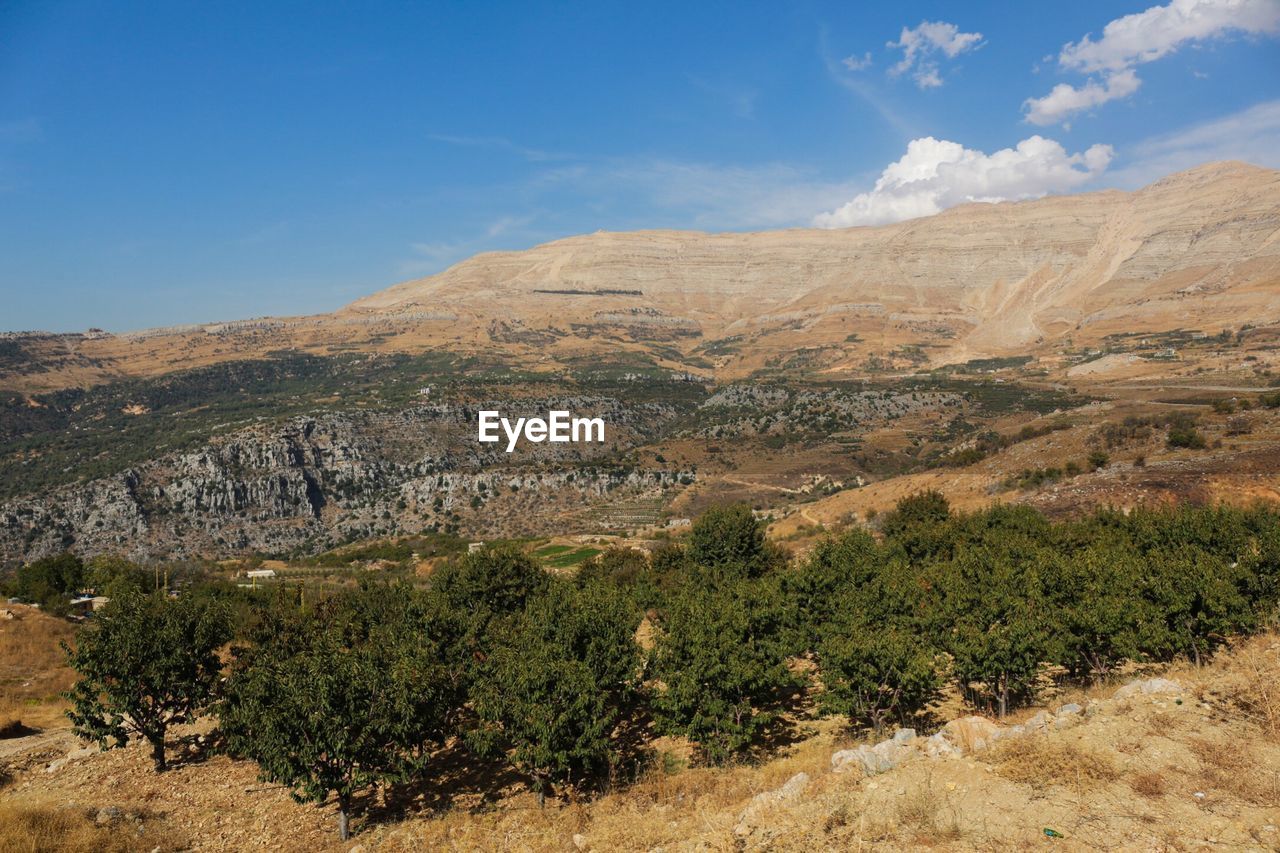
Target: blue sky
column 175, row 162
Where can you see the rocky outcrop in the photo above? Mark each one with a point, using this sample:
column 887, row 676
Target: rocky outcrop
column 967, row 735
column 317, row 480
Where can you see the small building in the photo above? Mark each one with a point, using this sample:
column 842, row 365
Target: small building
column 260, row 574
column 472, row 547
column 86, row 604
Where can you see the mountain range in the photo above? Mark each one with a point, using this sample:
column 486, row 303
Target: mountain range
column 1199, row 249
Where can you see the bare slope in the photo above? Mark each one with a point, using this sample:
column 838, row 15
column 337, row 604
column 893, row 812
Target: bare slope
column 1200, row 249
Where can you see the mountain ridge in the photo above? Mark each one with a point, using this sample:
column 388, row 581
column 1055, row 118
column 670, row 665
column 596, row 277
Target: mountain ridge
column 1197, row 249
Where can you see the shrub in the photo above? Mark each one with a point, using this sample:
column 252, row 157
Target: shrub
column 1186, row 437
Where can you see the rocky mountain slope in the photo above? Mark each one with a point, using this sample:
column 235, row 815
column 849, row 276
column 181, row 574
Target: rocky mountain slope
column 1199, row 249
column 321, row 479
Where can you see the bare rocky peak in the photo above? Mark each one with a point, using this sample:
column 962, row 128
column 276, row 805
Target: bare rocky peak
column 1199, row 244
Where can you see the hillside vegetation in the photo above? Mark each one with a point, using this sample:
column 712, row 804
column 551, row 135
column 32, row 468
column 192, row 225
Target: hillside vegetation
column 716, row 651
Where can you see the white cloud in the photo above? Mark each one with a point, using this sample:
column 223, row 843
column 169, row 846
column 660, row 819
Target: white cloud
column 936, row 174
column 1143, row 37
column 1065, row 100
column 920, row 44
column 857, row 63
column 1252, row 135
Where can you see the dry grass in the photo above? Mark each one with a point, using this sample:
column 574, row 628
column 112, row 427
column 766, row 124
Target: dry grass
column 664, row 808
column 1042, row 763
column 922, row 814
column 1151, row 785
column 35, row 826
column 1255, row 689
column 1231, row 766
column 33, row 670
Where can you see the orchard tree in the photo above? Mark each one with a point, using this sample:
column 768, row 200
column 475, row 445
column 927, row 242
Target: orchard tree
column 871, row 673
column 147, row 662
column 479, row 593
column 816, row 589
column 720, row 663
column 1101, row 614
column 728, row 543
column 1197, row 596
column 339, row 704
column 1000, row 621
column 554, row 688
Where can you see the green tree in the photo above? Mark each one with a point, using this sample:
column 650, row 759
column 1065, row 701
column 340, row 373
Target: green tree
column 111, row 576
column 476, row 596
column 555, row 686
column 148, row 662
column 919, row 524
column 817, row 589
column 721, row 664
column 341, row 699
column 871, row 673
column 50, row 581
column 1196, row 595
column 728, row 542
column 1000, row 622
column 1101, row 615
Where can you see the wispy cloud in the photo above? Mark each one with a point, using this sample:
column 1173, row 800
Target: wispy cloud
column 1252, row 135
column 857, row 63
column 429, row 257
column 703, row 195
column 921, row 46
column 499, row 143
column 1137, row 39
column 840, row 74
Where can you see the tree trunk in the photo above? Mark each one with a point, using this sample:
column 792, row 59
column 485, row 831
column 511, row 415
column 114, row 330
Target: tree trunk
column 157, row 754
column 344, row 817
column 1004, row 696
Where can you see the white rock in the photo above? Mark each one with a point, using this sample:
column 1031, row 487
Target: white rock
column 793, row 788
column 874, row 760
column 1149, row 686
column 937, row 746
column 1039, row 721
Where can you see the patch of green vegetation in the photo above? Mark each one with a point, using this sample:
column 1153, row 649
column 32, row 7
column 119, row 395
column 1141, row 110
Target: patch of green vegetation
column 569, row 557
column 398, row 551
column 552, row 550
column 988, row 365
